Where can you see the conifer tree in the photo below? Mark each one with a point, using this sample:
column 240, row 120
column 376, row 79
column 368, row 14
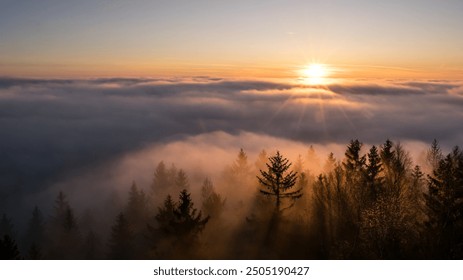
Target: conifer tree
column 91, row 246
column 213, row 203
column 261, row 160
column 136, row 209
column 178, row 228
column 434, row 155
column 8, row 248
column 160, row 178
column 354, row 163
column 35, row 234
column 444, row 202
column 181, row 181
column 278, row 181
column 188, row 223
column 354, row 168
column 6, row 227
column 373, row 178
column 64, row 240
column 240, row 166
column 120, row 243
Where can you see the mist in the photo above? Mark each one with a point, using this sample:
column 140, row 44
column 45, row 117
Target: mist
column 93, row 139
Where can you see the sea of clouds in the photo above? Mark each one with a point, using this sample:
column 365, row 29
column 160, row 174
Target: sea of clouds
column 55, row 129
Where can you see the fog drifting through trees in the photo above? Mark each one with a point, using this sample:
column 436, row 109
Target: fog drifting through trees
column 367, row 202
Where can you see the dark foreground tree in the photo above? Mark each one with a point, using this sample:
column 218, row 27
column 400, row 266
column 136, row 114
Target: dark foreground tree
column 120, row 243
column 444, row 205
column 178, row 228
column 278, row 182
column 8, row 249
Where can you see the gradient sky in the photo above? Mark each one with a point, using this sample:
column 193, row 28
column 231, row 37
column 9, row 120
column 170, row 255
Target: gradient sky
column 407, row 38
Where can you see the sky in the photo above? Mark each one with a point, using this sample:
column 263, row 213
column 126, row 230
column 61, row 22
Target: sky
column 271, row 38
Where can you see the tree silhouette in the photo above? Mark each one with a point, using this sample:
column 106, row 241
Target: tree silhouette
column 6, row 226
column 64, row 240
column 8, row 248
column 181, row 181
column 444, row 202
column 240, row 166
column 179, row 226
column 373, row 178
column 278, row 181
column 434, row 155
column 163, row 179
column 188, row 223
column 120, row 242
column 213, row 203
column 91, row 246
column 35, row 234
column 136, row 209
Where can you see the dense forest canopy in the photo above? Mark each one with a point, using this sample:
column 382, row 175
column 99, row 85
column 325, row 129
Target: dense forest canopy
column 372, row 203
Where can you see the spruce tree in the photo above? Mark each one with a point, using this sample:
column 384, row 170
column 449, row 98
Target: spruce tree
column 373, row 170
column 278, row 181
column 120, row 243
column 213, row 203
column 240, row 166
column 137, row 207
column 178, row 228
column 181, row 181
column 8, row 248
column 444, row 203
column 35, row 234
column 64, row 240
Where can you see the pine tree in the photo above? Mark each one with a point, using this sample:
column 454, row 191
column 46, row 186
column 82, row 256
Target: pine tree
column 354, row 163
column 188, row 223
column 444, row 202
column 181, row 181
column 8, row 248
column 165, row 217
column 354, row 168
column 313, row 159
column 373, row 178
column 417, row 178
column 240, row 166
column 60, row 209
column 178, row 228
column 64, row 240
column 160, row 179
column 120, row 243
column 330, row 163
column 434, row 155
column 136, row 209
column 278, row 181
column 261, row 160
column 35, row 234
column 213, row 203
column 6, row 227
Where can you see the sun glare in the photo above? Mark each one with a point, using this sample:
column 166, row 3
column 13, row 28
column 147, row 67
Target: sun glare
column 314, row 74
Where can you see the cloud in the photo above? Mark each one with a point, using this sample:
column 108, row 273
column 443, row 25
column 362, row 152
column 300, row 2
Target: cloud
column 51, row 128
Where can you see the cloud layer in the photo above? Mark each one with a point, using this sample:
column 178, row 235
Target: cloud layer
column 51, row 128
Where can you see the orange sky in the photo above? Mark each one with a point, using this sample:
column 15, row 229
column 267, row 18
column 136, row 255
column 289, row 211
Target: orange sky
column 358, row 39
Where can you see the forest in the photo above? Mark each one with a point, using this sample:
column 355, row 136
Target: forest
column 373, row 203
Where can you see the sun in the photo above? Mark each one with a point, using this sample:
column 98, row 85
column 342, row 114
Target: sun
column 314, row 73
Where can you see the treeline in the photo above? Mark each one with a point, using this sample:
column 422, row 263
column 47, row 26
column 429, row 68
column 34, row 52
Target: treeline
column 372, row 204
